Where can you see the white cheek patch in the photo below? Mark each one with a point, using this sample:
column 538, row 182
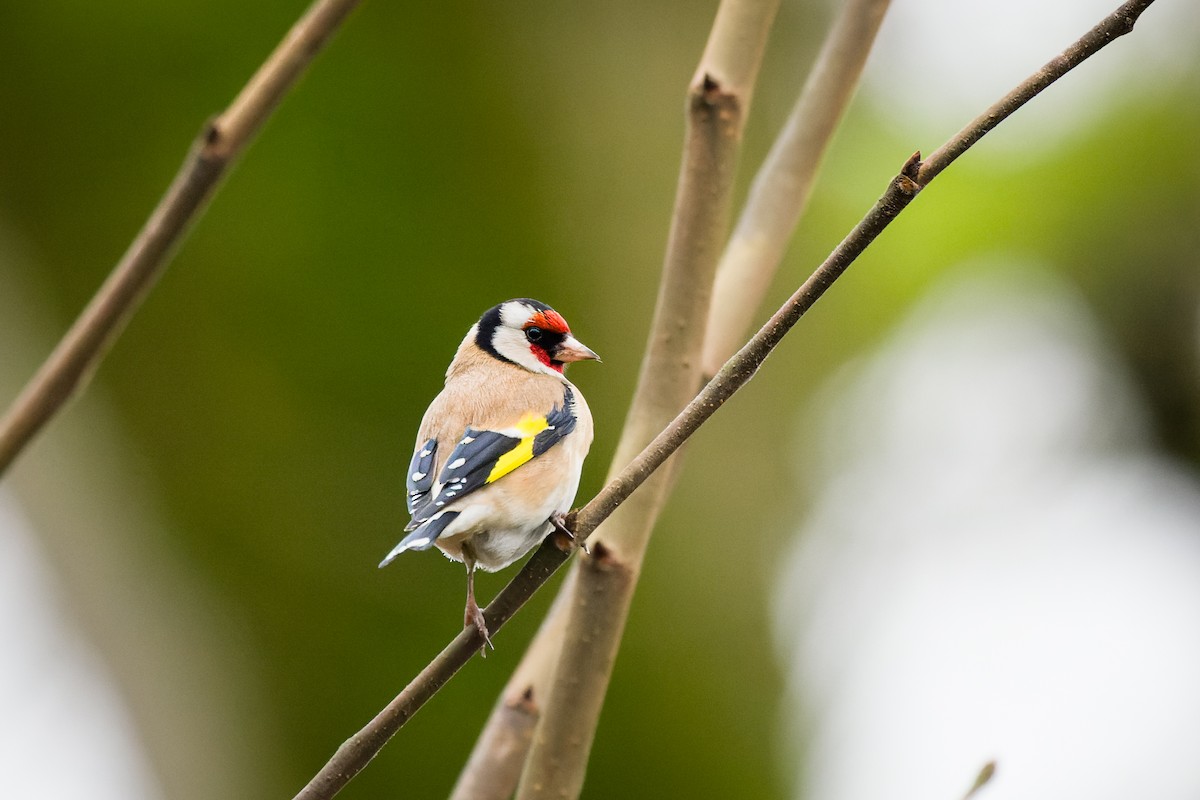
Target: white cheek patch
column 511, row 344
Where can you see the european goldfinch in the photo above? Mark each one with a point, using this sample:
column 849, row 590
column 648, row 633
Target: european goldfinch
column 501, row 448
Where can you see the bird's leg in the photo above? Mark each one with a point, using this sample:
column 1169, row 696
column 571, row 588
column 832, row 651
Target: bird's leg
column 564, row 536
column 473, row 615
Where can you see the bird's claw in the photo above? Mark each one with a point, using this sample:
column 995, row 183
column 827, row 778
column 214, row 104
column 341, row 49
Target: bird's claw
column 474, row 619
column 564, row 538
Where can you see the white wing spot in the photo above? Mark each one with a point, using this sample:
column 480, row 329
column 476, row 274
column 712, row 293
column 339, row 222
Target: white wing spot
column 426, row 453
column 424, row 540
column 416, row 476
column 456, row 463
column 468, row 439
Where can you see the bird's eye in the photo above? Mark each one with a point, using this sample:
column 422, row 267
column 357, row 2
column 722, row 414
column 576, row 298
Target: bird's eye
column 533, row 334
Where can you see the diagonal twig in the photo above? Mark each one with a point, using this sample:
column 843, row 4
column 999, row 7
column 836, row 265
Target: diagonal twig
column 222, row 140
column 357, row 751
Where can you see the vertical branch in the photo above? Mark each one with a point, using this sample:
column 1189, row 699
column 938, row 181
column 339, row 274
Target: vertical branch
column 563, row 739
column 783, row 184
column 81, row 349
column 493, row 769
column 718, row 100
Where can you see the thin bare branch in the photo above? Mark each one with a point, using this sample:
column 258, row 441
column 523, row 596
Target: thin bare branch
column 1115, row 25
column 783, row 184
column 357, row 751
column 81, row 349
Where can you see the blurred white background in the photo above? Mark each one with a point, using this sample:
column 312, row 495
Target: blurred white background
column 997, row 565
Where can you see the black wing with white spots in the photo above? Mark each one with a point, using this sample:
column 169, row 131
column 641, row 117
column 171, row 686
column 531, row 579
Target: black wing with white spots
column 483, row 456
column 468, row 468
column 560, row 422
column 420, row 475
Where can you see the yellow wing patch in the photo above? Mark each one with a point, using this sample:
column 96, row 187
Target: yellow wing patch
column 528, row 427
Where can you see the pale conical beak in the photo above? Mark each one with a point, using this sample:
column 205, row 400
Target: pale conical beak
column 571, row 349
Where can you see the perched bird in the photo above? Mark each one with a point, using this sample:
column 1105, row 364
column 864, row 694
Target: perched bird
column 501, row 448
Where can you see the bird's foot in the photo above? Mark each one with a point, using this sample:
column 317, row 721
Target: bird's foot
column 564, row 537
column 474, row 618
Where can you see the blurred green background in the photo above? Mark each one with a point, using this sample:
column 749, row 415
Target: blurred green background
column 437, row 159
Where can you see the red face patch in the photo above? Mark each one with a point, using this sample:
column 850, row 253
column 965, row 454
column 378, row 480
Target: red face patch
column 540, row 353
column 549, row 320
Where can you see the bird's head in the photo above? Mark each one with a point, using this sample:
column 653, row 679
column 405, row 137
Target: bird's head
column 530, row 334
